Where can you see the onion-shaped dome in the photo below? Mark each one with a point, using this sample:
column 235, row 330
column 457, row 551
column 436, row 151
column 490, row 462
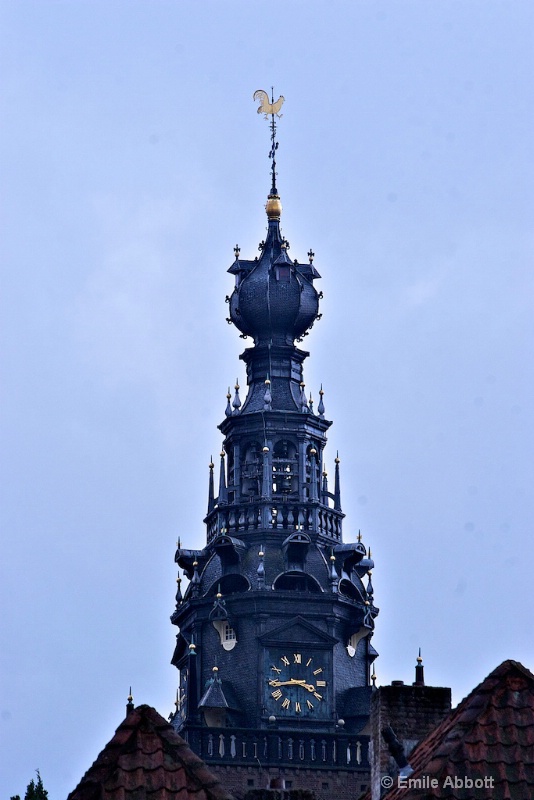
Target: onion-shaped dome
column 274, row 299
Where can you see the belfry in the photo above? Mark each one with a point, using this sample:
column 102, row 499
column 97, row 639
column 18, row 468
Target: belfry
column 274, row 645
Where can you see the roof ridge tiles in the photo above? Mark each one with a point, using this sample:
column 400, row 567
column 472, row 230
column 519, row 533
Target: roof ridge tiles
column 471, row 737
column 148, row 759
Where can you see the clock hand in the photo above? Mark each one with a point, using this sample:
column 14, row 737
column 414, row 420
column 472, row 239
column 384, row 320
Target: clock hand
column 290, row 682
column 293, row 682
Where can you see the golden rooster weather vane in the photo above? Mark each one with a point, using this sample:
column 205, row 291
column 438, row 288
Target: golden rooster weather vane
column 273, row 109
column 267, row 107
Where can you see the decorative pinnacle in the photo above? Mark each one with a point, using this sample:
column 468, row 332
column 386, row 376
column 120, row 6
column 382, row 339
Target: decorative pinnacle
column 237, row 400
column 419, row 659
column 320, row 407
column 311, row 255
column 359, row 536
column 237, row 250
column 130, row 696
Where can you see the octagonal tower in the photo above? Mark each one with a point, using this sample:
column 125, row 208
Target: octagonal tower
column 274, row 644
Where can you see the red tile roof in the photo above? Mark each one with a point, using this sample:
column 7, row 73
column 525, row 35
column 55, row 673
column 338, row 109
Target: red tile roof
column 148, row 760
column 489, row 735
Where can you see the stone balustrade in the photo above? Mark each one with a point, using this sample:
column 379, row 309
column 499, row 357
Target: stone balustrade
column 284, row 748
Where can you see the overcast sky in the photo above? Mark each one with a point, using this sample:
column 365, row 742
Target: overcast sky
column 132, row 162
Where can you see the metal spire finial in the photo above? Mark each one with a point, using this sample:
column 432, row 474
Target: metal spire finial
column 273, row 109
column 130, row 704
column 228, row 412
column 320, row 407
column 237, row 400
column 419, row 671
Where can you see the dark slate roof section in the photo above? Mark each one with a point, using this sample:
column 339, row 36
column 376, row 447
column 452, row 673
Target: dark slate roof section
column 356, row 701
column 490, row 734
column 145, row 759
column 214, row 697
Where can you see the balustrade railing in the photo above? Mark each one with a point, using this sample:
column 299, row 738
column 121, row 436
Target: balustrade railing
column 239, row 518
column 284, row 748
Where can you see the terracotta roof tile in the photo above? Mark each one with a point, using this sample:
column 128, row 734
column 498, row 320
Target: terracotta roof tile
column 490, row 733
column 147, row 760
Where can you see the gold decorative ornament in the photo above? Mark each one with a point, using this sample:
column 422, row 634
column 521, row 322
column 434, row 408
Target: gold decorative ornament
column 266, row 107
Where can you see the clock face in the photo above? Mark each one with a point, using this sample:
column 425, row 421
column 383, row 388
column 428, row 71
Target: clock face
column 296, row 683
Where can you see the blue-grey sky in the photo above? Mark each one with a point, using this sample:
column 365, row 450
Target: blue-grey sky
column 132, row 161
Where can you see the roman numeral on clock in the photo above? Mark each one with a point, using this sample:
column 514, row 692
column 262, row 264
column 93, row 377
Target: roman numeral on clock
column 277, row 694
column 286, row 703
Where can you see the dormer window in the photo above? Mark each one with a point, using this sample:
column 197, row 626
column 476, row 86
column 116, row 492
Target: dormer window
column 283, row 273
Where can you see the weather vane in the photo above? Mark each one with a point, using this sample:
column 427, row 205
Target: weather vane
column 273, row 109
